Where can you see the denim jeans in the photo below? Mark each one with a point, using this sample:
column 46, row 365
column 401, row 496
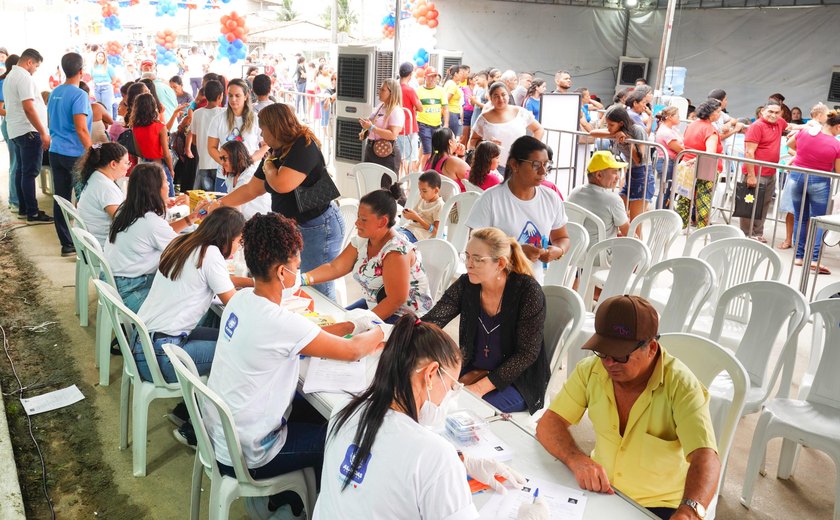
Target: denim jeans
column 200, row 344
column 508, row 400
column 300, row 102
column 205, row 180
column 815, row 195
column 455, row 123
column 13, row 195
column 168, row 173
column 105, row 95
column 669, row 179
column 322, row 237
column 133, row 291
column 195, row 84
column 29, row 154
column 62, row 175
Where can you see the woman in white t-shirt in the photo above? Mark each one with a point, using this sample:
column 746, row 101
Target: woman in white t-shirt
column 101, row 167
column 239, row 122
column 140, row 233
column 257, row 361
column 192, row 270
column 239, row 170
column 383, row 458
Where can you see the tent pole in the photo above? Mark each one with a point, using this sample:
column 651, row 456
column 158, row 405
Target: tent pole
column 626, row 31
column 666, row 42
column 395, row 62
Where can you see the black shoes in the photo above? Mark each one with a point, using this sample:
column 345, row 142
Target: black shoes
column 68, row 251
column 39, row 217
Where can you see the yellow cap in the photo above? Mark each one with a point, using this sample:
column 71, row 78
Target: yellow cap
column 603, row 160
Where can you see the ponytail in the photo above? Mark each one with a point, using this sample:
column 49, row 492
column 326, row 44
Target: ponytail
column 98, row 157
column 412, row 345
column 503, row 246
column 519, row 263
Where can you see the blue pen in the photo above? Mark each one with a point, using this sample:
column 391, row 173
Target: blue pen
column 536, row 494
column 545, row 246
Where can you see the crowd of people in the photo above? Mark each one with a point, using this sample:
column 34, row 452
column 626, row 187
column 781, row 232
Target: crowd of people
column 480, row 130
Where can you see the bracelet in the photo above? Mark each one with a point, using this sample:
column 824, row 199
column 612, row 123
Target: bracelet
column 562, row 251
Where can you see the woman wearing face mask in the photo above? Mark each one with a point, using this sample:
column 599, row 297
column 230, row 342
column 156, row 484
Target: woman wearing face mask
column 369, row 473
column 257, row 360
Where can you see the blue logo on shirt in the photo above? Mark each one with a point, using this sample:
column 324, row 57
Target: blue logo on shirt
column 530, row 235
column 230, row 325
column 346, row 464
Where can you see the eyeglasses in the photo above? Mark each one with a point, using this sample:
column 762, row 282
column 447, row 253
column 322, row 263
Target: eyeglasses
column 456, row 386
column 536, row 165
column 475, row 259
column 625, row 359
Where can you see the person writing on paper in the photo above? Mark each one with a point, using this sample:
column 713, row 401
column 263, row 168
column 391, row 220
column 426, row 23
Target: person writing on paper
column 654, row 437
column 257, row 360
column 369, row 473
column 502, row 310
column 382, row 260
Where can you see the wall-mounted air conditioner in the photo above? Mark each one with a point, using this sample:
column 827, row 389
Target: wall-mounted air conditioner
column 441, row 60
column 629, row 70
column 834, row 85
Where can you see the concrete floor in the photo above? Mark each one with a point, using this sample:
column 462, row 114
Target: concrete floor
column 165, row 491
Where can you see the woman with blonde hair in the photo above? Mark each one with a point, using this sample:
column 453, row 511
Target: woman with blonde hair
column 502, row 310
column 383, row 127
column 295, row 164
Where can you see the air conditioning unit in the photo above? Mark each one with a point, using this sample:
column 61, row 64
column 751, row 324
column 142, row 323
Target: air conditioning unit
column 834, row 85
column 629, row 70
column 361, row 70
column 442, row 60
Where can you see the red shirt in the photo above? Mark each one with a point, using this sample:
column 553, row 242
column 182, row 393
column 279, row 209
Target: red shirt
column 409, row 101
column 148, row 140
column 768, row 137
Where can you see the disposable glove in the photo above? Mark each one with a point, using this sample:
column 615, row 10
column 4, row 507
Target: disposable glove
column 485, row 471
column 536, row 511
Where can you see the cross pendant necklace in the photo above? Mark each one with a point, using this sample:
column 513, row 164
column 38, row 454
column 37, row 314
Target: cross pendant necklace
column 488, row 332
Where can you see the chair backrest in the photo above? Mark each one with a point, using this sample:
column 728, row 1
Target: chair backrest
column 564, row 313
column 120, row 314
column 770, row 305
column 69, row 211
column 629, row 256
column 706, row 359
column 589, row 220
column 457, row 233
column 411, row 189
column 439, row 259
column 709, row 234
column 201, row 402
column 826, row 386
column 816, row 340
column 562, row 271
column 369, row 177
column 349, row 209
column 739, row 260
column 689, row 288
column 470, row 186
column 95, row 257
column 659, row 228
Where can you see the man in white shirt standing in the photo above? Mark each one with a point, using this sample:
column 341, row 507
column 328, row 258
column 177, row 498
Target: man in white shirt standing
column 26, row 118
column 196, row 64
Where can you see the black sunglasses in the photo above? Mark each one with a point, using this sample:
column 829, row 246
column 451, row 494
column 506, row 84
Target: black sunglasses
column 625, row 359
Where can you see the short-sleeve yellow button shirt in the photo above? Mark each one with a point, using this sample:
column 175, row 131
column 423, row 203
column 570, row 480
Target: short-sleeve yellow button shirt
column 668, row 421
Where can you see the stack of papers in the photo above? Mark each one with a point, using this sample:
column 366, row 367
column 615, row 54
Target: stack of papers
column 335, row 377
column 563, row 502
column 487, row 446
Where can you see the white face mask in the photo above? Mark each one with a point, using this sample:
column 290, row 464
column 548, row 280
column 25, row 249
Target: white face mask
column 288, row 292
column 433, row 416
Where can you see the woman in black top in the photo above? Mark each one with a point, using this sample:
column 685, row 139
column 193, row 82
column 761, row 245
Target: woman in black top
column 295, row 162
column 502, row 309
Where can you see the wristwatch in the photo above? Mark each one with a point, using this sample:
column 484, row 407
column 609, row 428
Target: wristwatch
column 698, row 508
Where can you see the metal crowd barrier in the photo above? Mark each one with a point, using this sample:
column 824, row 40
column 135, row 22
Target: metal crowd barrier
column 292, row 97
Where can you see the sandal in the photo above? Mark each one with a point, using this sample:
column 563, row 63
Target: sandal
column 820, row 269
column 784, row 245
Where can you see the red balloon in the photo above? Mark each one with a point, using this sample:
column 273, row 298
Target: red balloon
column 432, row 23
column 230, row 36
column 231, row 24
column 422, row 20
column 225, row 19
column 432, row 15
column 422, row 10
column 239, row 32
column 431, row 6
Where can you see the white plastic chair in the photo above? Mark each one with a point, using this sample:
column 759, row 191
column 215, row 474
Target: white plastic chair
column 770, row 306
column 659, row 228
column 589, row 220
column 349, row 209
column 201, row 401
column 562, row 271
column 629, row 256
column 142, row 392
column 816, row 341
column 411, row 189
column 439, row 259
column 369, row 177
column 709, row 234
column 706, row 359
column 98, row 266
column 470, row 186
column 688, row 288
column 448, row 188
column 813, row 422
column 457, row 233
column 72, row 218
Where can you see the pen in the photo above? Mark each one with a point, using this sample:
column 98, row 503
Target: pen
column 545, row 246
column 536, row 494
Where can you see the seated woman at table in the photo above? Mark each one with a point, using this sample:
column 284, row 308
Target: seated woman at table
column 257, row 362
column 383, row 458
column 239, row 170
column 382, row 260
column 140, row 233
column 99, row 169
column 192, row 270
column 502, row 310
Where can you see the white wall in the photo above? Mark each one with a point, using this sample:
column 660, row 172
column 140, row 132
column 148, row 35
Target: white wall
column 751, row 53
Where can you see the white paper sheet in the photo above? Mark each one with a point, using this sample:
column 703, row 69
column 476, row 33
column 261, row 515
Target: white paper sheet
column 52, row 400
column 488, row 446
column 336, row 377
column 563, row 502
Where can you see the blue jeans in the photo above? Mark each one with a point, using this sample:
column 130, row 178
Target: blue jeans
column 508, row 400
column 426, row 132
column 62, row 174
column 29, row 155
column 105, row 95
column 200, row 344
column 195, row 84
column 13, row 195
column 669, row 179
column 300, row 102
column 816, row 195
column 455, row 124
column 408, row 235
column 322, row 237
column 205, row 179
column 133, row 291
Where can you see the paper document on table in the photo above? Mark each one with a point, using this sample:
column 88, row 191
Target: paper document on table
column 488, row 446
column 52, row 400
column 563, row 502
column 335, row 377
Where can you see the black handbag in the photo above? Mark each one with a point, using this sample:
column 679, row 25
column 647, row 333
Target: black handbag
column 316, row 197
column 129, row 142
column 747, row 198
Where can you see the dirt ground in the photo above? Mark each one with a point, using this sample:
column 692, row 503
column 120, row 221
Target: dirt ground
column 80, row 483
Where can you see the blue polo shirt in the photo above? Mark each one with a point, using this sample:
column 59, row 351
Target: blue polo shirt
column 65, row 102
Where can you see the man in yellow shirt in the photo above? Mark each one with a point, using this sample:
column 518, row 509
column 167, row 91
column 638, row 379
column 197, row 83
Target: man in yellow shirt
column 654, row 438
column 434, row 114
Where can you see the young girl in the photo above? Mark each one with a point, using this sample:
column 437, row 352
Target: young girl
column 443, row 159
column 151, row 135
column 99, row 169
column 239, row 169
column 484, row 172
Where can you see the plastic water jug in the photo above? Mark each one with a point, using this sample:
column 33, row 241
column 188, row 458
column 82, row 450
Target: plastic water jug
column 674, row 81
